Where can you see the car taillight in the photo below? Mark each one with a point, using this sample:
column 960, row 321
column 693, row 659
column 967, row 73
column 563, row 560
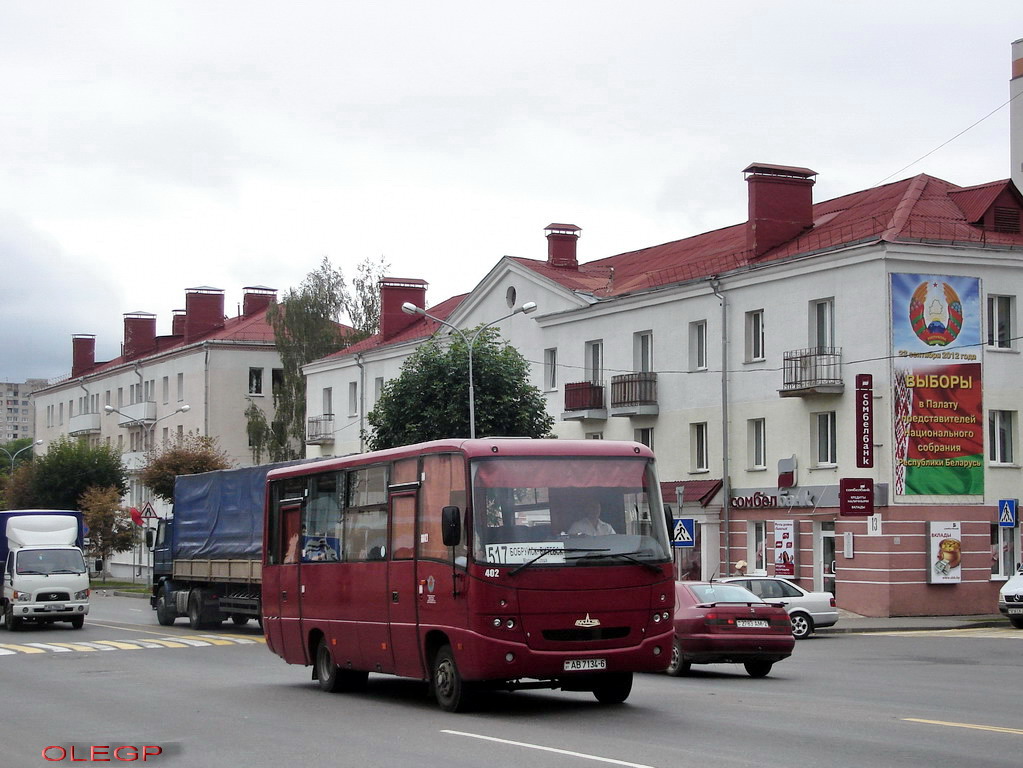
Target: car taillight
column 832, row 602
column 714, row 619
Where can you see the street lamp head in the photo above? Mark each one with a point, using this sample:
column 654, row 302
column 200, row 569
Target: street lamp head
column 108, row 408
column 528, row 307
column 184, row 409
column 411, row 309
column 38, row 442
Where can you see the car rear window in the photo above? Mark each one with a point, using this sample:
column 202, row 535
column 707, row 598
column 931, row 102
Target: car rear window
column 723, row 593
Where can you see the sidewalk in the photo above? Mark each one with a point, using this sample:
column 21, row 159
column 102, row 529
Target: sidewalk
column 851, row 622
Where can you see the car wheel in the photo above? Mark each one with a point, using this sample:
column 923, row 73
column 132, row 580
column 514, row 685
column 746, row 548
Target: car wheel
column 452, row 693
column 677, row 667
column 802, row 625
column 77, row 622
column 1016, row 621
column 758, row 668
column 613, row 687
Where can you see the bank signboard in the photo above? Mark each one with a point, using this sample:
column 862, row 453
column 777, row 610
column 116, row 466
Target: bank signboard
column 936, row 362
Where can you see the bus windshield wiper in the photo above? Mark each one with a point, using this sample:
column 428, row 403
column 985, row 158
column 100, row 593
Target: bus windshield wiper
column 548, row 551
column 628, row 556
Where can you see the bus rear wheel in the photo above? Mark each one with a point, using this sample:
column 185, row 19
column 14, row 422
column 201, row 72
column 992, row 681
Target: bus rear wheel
column 613, row 687
column 453, row 694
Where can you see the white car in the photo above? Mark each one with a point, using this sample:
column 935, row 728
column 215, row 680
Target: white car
column 1010, row 599
column 807, row 610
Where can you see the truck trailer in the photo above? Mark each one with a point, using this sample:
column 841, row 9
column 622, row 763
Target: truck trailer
column 207, row 554
column 45, row 576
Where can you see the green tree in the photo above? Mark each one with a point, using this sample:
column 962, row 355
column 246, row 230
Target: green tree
column 110, row 527
column 189, row 455
column 307, row 327
column 19, row 447
column 70, row 467
column 430, row 399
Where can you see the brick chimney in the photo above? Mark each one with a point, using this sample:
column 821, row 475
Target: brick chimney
column 257, row 298
column 178, row 322
column 1016, row 115
column 561, row 243
column 139, row 334
column 780, row 205
column 204, row 311
column 395, row 291
column 83, row 354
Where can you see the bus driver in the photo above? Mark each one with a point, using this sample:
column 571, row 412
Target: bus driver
column 591, row 524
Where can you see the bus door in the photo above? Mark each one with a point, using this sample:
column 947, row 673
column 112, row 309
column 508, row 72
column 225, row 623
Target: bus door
column 282, row 590
column 401, row 585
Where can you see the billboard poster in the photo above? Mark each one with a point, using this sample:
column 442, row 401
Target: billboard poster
column 936, row 371
column 785, row 550
column 946, row 553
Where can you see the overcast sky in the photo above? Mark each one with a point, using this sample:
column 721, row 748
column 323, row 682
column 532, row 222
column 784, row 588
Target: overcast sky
column 146, row 148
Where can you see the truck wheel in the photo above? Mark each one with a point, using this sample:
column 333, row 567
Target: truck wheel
column 452, row 693
column 77, row 622
column 12, row 622
column 195, row 610
column 165, row 612
column 239, row 619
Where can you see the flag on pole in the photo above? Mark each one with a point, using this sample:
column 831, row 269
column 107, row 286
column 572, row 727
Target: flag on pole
column 136, row 516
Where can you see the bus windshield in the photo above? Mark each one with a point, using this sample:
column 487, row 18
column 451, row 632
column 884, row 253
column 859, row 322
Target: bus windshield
column 555, row 511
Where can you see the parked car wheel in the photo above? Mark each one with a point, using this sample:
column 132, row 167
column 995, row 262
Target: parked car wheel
column 802, row 625
column 758, row 668
column 677, row 667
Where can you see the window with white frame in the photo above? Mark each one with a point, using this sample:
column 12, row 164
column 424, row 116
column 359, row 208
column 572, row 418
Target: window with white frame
column 328, row 401
column 824, row 435
column 644, row 435
column 756, row 546
column 256, row 381
column 1001, row 436
column 181, row 389
column 595, row 361
column 550, row 369
column 353, row 398
column 1000, row 321
column 698, row 345
column 698, row 449
column 755, row 336
column 756, row 435
column 165, row 386
column 822, row 323
column 643, row 351
column 378, row 388
column 1003, row 552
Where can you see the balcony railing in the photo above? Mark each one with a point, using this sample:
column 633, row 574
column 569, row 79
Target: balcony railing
column 320, row 430
column 812, row 371
column 136, row 413
column 630, row 389
column 84, row 424
column 583, row 395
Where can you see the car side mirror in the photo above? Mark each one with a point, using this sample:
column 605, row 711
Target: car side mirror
column 451, row 526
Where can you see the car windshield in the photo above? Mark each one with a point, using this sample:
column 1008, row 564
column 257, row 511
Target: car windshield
column 46, row 561
column 723, row 593
column 554, row 511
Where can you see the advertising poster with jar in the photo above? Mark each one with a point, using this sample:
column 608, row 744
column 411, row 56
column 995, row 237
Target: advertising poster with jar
column 946, row 553
column 785, row 548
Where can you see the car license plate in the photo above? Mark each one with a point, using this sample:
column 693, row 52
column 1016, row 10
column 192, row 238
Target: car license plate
column 54, row 607
column 581, row 665
column 752, row 623
column 1015, row 610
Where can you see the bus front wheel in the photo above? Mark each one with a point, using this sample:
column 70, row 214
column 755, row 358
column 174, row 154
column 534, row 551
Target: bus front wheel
column 453, row 694
column 613, row 687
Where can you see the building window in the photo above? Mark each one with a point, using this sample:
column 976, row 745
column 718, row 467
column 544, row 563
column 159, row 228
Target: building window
column 181, row 389
column 1003, row 552
column 755, row 336
column 595, row 361
column 644, row 436
column 165, row 386
column 256, row 381
column 999, row 322
column 757, row 441
column 700, row 461
column 822, row 323
column 698, row 346
column 756, row 546
column 277, row 379
column 643, row 352
column 595, row 436
column 328, row 401
column 378, row 388
column 1000, row 436
column 826, row 445
column 353, row 398
column 550, row 369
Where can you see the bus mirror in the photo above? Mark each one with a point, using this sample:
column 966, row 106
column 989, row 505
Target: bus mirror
column 451, row 525
column 150, row 537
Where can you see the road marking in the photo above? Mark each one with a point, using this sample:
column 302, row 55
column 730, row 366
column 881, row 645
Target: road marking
column 21, row 648
column 570, row 753
column 995, row 728
column 50, row 647
column 988, row 633
column 215, row 640
column 120, row 645
column 167, row 641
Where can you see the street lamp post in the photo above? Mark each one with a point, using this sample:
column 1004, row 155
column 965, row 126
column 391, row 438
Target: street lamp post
column 150, row 428
column 20, row 450
column 411, row 309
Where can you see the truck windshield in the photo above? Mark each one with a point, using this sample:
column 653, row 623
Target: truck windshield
column 47, row 561
column 552, row 511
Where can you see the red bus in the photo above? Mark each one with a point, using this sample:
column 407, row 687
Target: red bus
column 471, row 564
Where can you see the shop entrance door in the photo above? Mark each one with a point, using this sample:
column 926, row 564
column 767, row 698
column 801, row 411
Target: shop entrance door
column 827, row 564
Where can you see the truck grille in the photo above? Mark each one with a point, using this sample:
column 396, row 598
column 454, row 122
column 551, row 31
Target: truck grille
column 49, row 597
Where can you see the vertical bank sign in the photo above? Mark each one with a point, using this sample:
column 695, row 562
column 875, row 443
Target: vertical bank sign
column 936, row 337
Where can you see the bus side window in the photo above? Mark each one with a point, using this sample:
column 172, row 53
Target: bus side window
column 444, row 486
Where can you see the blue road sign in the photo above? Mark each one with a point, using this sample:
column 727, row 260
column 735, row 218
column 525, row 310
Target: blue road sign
column 683, row 532
column 1008, row 513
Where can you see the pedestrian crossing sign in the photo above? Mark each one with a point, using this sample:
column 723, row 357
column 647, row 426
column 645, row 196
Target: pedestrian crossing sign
column 683, row 533
column 1007, row 513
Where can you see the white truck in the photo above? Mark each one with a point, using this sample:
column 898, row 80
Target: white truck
column 45, row 576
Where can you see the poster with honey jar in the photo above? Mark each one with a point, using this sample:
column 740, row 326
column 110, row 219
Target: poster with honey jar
column 946, row 553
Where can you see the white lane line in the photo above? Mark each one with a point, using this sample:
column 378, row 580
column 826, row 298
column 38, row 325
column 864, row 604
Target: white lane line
column 568, row 752
column 48, row 647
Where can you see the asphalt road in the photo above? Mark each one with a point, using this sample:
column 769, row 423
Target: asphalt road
column 215, row 698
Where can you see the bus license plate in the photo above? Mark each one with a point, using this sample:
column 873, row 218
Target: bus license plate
column 581, row 665
column 751, row 623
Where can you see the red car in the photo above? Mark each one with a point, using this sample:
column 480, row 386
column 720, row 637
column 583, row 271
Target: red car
column 725, row 623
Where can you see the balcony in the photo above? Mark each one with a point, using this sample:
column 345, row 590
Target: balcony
column 136, row 413
column 320, row 430
column 84, row 424
column 813, row 371
column 634, row 394
column 584, row 400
